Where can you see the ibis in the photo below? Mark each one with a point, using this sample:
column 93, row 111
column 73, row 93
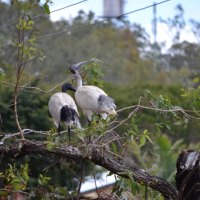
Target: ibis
column 91, row 99
column 62, row 108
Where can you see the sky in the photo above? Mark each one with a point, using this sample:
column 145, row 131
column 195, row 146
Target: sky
column 102, row 181
column 144, row 17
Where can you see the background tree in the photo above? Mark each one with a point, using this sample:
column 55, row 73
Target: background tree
column 156, row 118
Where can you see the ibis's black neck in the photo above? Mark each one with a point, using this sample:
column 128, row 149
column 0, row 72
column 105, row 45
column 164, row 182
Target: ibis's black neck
column 68, row 86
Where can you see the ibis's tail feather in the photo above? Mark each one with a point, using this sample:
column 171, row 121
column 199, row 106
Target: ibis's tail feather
column 70, row 116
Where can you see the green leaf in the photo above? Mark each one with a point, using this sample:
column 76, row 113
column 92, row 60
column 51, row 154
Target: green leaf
column 168, row 126
column 148, row 138
column 50, row 145
column 46, row 8
column 135, row 127
column 114, row 147
column 145, row 132
column 142, row 140
column 196, row 80
column 43, row 180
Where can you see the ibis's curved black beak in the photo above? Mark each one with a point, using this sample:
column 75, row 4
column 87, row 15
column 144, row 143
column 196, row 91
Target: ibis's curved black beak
column 75, row 67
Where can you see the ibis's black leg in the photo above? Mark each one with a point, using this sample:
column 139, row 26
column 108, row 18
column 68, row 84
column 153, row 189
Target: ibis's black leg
column 1, row 121
column 69, row 133
column 89, row 122
column 99, row 118
column 59, row 129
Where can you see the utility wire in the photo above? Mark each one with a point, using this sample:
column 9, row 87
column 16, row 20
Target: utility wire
column 73, row 29
column 93, row 24
column 98, row 22
column 43, row 14
column 144, row 8
column 59, row 9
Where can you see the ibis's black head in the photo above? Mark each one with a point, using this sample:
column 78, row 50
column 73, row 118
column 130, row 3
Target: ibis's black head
column 67, row 86
column 75, row 67
column 73, row 71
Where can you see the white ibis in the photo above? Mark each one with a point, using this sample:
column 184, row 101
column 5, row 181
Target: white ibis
column 63, row 109
column 91, row 99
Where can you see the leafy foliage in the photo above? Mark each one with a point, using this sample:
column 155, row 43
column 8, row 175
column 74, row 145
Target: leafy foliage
column 160, row 84
column 17, row 179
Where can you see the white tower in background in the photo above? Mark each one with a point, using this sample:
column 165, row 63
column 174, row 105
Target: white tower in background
column 113, row 8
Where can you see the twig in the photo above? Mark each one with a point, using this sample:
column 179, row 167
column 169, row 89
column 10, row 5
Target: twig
column 139, row 106
column 95, row 182
column 81, row 180
column 146, row 193
column 110, row 141
column 129, row 107
column 25, row 132
column 48, row 167
column 35, row 88
column 129, row 116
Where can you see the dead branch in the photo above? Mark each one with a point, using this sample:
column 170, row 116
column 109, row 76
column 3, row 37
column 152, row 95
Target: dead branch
column 35, row 88
column 27, row 132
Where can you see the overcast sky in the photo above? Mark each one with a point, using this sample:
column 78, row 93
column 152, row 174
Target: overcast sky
column 144, row 17
column 165, row 10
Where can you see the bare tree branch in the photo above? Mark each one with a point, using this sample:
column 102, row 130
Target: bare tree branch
column 26, row 132
column 35, row 88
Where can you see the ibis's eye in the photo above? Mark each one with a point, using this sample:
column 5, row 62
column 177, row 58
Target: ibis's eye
column 73, row 71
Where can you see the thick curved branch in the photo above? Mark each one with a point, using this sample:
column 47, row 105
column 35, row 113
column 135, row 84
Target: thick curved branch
column 98, row 155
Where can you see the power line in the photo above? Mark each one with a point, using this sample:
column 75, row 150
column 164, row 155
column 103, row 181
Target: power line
column 93, row 24
column 73, row 29
column 60, row 9
column 98, row 22
column 144, row 8
column 37, row 16
column 68, row 6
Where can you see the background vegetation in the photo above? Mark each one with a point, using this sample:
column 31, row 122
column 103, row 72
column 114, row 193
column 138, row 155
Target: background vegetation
column 133, row 67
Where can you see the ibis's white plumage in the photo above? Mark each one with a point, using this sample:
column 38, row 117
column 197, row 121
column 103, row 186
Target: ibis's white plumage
column 56, row 102
column 92, row 99
column 62, row 108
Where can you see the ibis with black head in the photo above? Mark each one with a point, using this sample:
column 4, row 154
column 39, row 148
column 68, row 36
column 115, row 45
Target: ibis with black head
column 62, row 108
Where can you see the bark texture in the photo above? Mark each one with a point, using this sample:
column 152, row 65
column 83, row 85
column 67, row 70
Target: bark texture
column 99, row 155
column 188, row 175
